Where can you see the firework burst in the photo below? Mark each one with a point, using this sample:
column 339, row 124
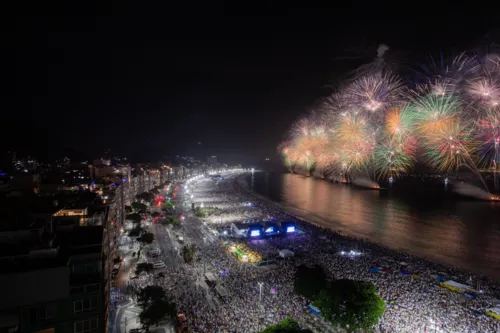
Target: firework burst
column 434, row 114
column 451, row 147
column 395, row 153
column 375, row 93
column 452, row 119
column 488, row 134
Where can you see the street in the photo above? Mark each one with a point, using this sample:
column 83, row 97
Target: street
column 192, row 232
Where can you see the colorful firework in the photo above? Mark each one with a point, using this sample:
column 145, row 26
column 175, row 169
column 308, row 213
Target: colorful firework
column 395, row 154
column 435, row 114
column 394, row 158
column 488, row 134
column 451, row 148
column 375, row 92
column 452, row 118
column 356, row 141
column 287, row 151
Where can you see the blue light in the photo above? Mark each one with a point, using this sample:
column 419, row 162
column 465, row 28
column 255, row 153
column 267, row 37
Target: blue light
column 270, row 229
column 290, row 229
column 254, row 233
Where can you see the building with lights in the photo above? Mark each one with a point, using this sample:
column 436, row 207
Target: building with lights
column 55, row 269
column 212, row 161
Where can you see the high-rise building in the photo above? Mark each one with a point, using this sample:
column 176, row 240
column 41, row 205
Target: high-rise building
column 212, row 161
column 55, row 268
column 52, row 285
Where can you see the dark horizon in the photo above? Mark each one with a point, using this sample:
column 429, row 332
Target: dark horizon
column 224, row 80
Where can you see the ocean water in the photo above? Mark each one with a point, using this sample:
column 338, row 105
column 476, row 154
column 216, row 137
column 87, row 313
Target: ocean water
column 423, row 218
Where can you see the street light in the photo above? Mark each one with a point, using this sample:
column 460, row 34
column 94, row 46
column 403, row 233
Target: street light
column 260, row 291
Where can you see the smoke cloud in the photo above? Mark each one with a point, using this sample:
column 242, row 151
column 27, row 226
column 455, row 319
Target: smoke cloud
column 382, row 48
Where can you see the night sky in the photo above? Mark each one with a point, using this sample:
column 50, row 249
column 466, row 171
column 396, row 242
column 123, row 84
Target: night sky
column 154, row 80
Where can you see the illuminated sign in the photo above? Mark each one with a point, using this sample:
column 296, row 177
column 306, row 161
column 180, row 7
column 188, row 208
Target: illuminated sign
column 270, row 229
column 290, row 228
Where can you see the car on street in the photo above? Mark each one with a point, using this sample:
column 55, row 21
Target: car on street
column 158, row 264
column 180, row 239
column 154, row 252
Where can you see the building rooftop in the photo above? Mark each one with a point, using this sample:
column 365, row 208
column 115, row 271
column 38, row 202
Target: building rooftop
column 25, row 260
column 80, row 237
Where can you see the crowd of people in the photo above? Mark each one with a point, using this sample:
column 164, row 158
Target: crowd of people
column 260, row 296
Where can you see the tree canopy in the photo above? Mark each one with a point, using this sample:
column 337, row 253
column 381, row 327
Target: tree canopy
column 173, row 220
column 205, row 211
column 167, row 204
column 145, row 196
column 146, row 238
column 286, row 326
column 139, row 206
column 155, row 305
column 354, row 305
column 128, row 209
column 155, row 313
column 188, row 252
column 143, row 267
column 309, row 281
column 150, row 294
column 135, row 232
column 135, row 218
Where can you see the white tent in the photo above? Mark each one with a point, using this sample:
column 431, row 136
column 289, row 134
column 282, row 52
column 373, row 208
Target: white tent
column 286, row 254
column 221, row 290
column 210, row 277
column 458, row 287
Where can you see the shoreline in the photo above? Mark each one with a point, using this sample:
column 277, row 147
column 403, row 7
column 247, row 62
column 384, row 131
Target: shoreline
column 416, row 300
column 295, row 213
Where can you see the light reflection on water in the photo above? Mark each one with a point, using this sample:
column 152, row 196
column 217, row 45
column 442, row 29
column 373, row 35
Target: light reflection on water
column 456, row 232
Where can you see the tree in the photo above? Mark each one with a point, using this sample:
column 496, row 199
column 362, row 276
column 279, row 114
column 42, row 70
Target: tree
column 172, row 220
column 155, row 313
column 286, row 326
column 199, row 212
column 145, row 196
column 144, row 267
column 155, row 306
column 150, row 294
column 168, row 205
column 128, row 209
column 146, row 238
column 309, row 281
column 188, row 252
column 135, row 218
column 136, row 232
column 352, row 304
column 139, row 206
column 205, row 211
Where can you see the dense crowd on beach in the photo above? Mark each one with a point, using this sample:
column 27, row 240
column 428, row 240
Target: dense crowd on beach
column 259, row 296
